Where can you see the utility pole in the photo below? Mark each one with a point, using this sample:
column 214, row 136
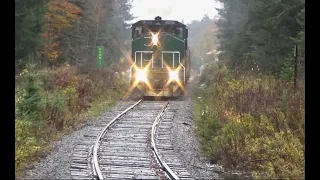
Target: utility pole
column 99, row 14
column 98, row 5
column 295, row 66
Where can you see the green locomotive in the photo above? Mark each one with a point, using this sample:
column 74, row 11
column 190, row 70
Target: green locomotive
column 160, row 57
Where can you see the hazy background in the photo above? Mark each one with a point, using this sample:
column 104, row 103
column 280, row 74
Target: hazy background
column 197, row 15
column 174, row 10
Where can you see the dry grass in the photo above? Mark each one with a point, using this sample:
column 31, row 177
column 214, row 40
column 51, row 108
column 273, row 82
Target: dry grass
column 252, row 123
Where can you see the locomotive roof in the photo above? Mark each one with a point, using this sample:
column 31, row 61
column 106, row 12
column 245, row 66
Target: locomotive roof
column 158, row 22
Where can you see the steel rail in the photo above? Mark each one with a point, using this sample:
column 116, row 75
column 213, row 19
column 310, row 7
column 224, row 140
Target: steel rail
column 95, row 164
column 165, row 167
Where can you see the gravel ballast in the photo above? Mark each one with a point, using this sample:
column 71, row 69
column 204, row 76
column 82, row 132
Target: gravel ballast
column 57, row 164
column 186, row 143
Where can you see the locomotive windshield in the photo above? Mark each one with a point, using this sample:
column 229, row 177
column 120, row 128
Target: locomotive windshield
column 174, row 30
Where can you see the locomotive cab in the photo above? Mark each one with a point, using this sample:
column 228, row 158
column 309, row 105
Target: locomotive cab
column 160, row 57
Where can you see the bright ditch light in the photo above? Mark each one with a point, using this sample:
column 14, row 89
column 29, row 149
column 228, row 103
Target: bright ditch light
column 141, row 75
column 173, row 75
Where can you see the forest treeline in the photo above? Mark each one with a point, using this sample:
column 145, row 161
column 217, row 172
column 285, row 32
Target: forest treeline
column 250, row 111
column 58, row 82
column 253, row 35
column 51, row 32
column 261, row 35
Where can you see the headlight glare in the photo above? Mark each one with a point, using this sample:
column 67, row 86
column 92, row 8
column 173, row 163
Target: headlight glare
column 141, row 75
column 173, row 75
column 154, row 39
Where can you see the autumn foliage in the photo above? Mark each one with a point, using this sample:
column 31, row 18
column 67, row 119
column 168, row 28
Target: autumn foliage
column 59, row 17
column 51, row 102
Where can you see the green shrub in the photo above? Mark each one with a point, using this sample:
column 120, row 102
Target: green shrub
column 25, row 144
column 287, row 71
column 54, row 109
column 29, row 106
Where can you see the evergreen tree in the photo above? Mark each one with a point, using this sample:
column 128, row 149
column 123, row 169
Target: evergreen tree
column 29, row 21
column 258, row 34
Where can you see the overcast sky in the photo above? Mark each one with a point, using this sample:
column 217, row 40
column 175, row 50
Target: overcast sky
column 187, row 10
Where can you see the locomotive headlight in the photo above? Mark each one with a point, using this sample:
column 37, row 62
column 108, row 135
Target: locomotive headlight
column 154, row 39
column 141, row 75
column 173, row 75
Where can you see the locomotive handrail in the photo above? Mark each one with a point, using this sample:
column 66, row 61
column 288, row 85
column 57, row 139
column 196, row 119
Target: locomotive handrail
column 184, row 69
column 135, row 56
column 184, row 72
column 173, row 52
column 135, row 61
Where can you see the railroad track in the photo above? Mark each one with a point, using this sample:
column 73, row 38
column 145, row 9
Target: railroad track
column 133, row 145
